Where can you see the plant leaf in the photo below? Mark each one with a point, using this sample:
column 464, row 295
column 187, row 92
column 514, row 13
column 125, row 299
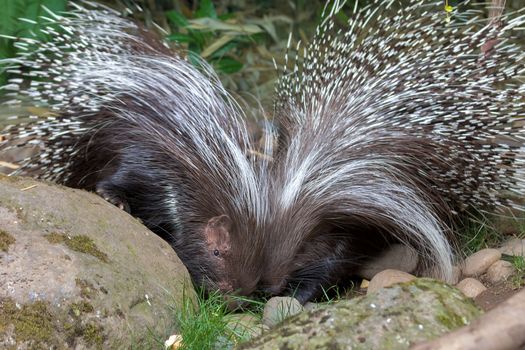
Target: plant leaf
column 180, row 38
column 206, row 9
column 227, row 65
column 177, row 18
column 210, row 24
column 216, row 45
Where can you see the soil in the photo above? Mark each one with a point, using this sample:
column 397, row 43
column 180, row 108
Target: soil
column 495, row 294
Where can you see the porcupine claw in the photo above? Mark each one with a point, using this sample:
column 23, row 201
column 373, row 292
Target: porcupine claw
column 113, row 198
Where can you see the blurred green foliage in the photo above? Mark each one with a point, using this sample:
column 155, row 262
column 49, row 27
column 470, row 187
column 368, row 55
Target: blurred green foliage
column 10, row 24
column 210, row 36
column 239, row 38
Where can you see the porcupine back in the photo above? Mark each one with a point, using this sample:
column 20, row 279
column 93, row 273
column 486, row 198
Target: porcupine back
column 394, row 125
column 127, row 115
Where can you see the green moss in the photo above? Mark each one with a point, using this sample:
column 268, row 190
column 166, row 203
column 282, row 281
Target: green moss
column 77, row 309
column 79, row 243
column 32, row 322
column 451, row 320
column 93, row 335
column 87, row 290
column 55, row 238
column 86, row 245
column 5, row 240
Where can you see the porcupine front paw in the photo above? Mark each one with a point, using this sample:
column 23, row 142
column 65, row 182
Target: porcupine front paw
column 113, row 198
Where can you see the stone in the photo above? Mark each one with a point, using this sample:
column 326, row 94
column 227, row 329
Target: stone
column 392, row 319
column 500, row 271
column 246, row 326
column 80, row 273
column 311, row 306
column 478, row 263
column 279, row 308
column 471, row 287
column 387, row 278
column 396, row 257
column 514, row 246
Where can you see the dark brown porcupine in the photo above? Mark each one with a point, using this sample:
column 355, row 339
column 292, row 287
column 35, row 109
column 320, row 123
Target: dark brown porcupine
column 386, row 131
column 135, row 122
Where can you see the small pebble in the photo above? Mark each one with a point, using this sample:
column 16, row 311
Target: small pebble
column 387, row 278
column 471, row 287
column 309, row 306
column 500, row 271
column 478, row 263
column 396, row 257
column 514, row 246
column 279, row 308
column 364, row 284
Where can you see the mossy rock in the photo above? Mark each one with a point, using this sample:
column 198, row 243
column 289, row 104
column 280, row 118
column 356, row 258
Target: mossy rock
column 77, row 272
column 392, row 318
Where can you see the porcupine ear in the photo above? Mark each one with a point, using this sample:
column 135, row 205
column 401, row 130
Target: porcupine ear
column 217, row 233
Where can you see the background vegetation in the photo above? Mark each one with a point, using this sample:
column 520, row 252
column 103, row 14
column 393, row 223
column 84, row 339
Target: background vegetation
column 239, row 38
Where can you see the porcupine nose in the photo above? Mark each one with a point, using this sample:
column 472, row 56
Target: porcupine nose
column 225, row 287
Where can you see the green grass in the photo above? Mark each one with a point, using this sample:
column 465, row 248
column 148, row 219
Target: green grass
column 208, row 324
column 481, row 230
column 518, row 278
column 478, row 233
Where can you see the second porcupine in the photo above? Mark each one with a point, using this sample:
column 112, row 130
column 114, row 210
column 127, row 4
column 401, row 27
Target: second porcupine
column 395, row 129
column 382, row 136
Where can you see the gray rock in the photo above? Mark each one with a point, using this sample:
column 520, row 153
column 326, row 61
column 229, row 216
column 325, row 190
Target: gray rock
column 514, row 246
column 247, row 326
column 391, row 319
column 479, row 262
column 387, row 278
column 279, row 308
column 311, row 306
column 81, row 273
column 500, row 271
column 471, row 287
column 396, row 257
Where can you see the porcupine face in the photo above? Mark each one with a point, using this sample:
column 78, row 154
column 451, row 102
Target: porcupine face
column 236, row 266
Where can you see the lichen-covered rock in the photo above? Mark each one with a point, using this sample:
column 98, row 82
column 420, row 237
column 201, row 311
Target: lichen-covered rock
column 393, row 318
column 77, row 272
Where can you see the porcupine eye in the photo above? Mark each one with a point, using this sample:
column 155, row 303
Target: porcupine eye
column 217, row 235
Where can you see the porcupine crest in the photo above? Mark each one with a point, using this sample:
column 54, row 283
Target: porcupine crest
column 109, row 90
column 395, row 125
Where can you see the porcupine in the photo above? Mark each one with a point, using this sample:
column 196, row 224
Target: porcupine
column 381, row 137
column 396, row 128
column 135, row 122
